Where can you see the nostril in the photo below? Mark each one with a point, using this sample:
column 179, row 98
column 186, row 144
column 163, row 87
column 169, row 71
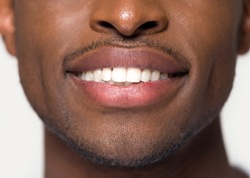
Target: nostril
column 105, row 24
column 138, row 24
column 148, row 25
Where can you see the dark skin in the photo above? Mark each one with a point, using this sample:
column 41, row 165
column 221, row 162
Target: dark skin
column 209, row 34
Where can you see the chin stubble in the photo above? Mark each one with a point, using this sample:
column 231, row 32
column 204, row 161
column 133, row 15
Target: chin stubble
column 90, row 153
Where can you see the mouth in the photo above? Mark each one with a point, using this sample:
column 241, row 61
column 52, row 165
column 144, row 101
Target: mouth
column 121, row 76
column 127, row 78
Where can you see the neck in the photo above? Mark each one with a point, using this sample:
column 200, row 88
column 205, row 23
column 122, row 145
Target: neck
column 203, row 156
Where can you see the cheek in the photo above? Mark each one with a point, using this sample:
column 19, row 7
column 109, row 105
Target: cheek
column 44, row 31
column 217, row 61
column 207, row 35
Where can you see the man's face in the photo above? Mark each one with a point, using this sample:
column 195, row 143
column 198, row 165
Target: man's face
column 194, row 41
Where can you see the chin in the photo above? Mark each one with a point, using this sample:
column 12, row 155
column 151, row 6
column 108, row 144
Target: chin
column 119, row 160
column 123, row 153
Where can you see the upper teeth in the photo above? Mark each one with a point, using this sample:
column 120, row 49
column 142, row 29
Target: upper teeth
column 123, row 75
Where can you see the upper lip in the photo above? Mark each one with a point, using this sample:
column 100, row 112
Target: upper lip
column 139, row 57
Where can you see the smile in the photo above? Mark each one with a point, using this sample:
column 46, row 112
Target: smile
column 118, row 77
column 125, row 76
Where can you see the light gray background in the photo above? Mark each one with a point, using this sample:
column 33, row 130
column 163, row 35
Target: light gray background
column 21, row 132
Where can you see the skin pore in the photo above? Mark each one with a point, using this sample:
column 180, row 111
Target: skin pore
column 177, row 136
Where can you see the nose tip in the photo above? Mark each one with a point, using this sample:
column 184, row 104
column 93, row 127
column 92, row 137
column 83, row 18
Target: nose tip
column 130, row 19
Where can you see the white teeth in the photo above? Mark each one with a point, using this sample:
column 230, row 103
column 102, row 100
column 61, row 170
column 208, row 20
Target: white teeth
column 155, row 75
column 98, row 75
column 146, row 75
column 133, row 75
column 89, row 76
column 83, row 76
column 106, row 74
column 119, row 74
column 123, row 76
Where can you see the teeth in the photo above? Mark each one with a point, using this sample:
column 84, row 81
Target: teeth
column 83, row 76
column 123, row 76
column 106, row 74
column 89, row 76
column 98, row 75
column 111, row 82
column 133, row 75
column 164, row 76
column 119, row 74
column 155, row 75
column 146, row 75
column 128, row 83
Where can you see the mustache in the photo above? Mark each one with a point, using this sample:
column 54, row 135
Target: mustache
column 125, row 43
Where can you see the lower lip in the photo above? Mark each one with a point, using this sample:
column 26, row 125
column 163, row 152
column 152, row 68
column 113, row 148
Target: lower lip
column 136, row 95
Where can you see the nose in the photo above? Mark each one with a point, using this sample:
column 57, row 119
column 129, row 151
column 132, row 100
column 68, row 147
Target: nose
column 128, row 17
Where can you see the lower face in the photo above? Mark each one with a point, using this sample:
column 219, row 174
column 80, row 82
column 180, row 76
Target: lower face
column 118, row 122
